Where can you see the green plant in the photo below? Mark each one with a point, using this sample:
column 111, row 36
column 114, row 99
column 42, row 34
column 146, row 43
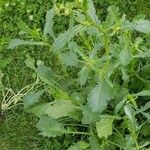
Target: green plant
column 101, row 78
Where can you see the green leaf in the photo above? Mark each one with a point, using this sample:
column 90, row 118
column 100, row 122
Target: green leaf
column 81, row 145
column 125, row 56
column 30, row 62
column 56, row 109
column 113, row 13
column 50, row 127
column 48, row 28
column 17, row 42
column 125, row 76
column 142, row 26
column 65, row 37
column 61, row 108
column 147, row 115
column 145, row 107
column 32, row 98
column 104, row 127
column 70, row 58
column 46, row 74
column 143, row 54
column 89, row 117
column 132, row 123
column 143, row 93
column 40, row 109
column 83, row 75
column 128, row 112
column 94, row 144
column 91, row 12
column 99, row 97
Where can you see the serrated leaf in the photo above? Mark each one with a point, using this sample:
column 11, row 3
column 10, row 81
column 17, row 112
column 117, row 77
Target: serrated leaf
column 56, row 109
column 32, row 98
column 125, row 56
column 30, row 62
column 113, row 13
column 97, row 46
column 50, row 127
column 94, row 144
column 104, row 127
column 143, row 54
column 70, row 58
column 142, row 26
column 48, row 28
column 125, row 76
column 145, row 107
column 81, row 145
column 128, row 112
column 119, row 106
column 147, row 115
column 65, row 37
column 40, row 109
column 61, row 108
column 99, row 97
column 89, row 117
column 83, row 75
column 143, row 93
column 91, row 12
column 132, row 123
column 45, row 74
column 17, row 42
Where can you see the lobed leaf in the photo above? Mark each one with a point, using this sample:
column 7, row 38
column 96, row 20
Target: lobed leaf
column 17, row 42
column 142, row 26
column 56, row 109
column 99, row 97
column 104, row 127
column 32, row 98
column 48, row 28
column 70, row 58
column 50, row 127
column 65, row 37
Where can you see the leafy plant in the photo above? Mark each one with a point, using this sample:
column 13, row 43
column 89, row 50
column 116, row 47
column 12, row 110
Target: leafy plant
column 100, row 88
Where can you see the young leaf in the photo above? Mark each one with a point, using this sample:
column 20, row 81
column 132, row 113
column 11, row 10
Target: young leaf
column 31, row 98
column 81, row 145
column 40, row 109
column 50, row 127
column 143, row 54
column 30, row 62
column 142, row 26
column 48, row 28
column 145, row 107
column 61, row 108
column 56, row 109
column 70, row 58
column 65, row 37
column 125, row 56
column 91, row 12
column 143, row 93
column 83, row 75
column 45, row 74
column 17, row 42
column 94, row 144
column 104, row 127
column 113, row 13
column 99, row 97
column 89, row 117
column 147, row 115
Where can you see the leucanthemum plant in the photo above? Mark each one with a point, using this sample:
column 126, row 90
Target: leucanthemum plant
column 99, row 87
